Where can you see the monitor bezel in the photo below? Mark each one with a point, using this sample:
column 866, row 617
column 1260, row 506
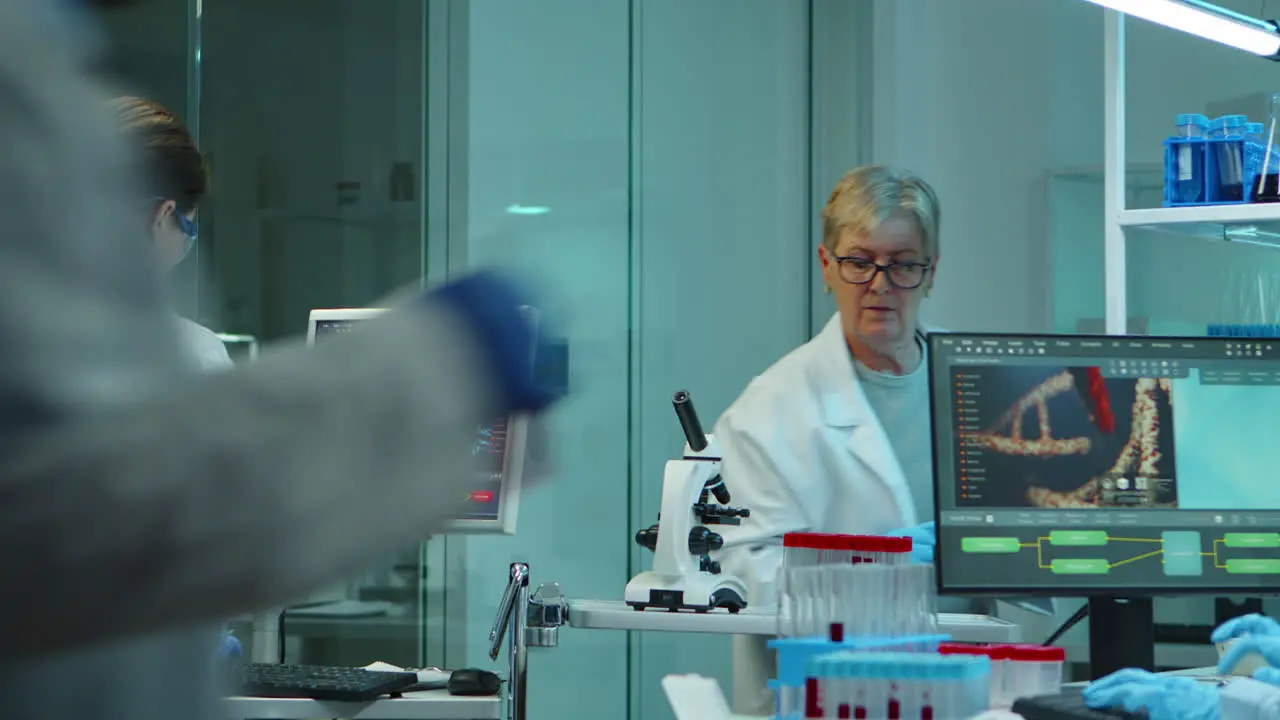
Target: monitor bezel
column 1063, row 591
column 513, row 463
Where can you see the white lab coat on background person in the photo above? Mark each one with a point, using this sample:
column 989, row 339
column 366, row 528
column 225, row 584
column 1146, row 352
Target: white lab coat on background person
column 838, row 474
column 835, row 437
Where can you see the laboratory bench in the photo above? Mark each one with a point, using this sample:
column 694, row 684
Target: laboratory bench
column 426, row 705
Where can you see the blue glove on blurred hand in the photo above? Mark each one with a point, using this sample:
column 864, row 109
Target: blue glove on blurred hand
column 1244, row 626
column 923, row 539
column 1267, row 647
column 1270, row 676
column 231, row 647
column 492, row 306
column 1163, row 697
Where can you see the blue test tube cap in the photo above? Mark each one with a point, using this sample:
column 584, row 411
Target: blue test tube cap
column 1192, row 120
column 1253, row 128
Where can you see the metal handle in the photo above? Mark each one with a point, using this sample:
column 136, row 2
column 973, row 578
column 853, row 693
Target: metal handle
column 519, row 579
column 513, row 612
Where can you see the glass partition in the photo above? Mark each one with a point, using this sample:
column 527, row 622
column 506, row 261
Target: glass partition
column 649, row 163
column 312, row 118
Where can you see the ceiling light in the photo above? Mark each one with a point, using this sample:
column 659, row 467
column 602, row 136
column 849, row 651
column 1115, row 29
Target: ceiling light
column 1210, row 22
column 518, row 209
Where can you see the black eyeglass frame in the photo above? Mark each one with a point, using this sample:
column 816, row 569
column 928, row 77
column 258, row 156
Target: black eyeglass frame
column 848, row 260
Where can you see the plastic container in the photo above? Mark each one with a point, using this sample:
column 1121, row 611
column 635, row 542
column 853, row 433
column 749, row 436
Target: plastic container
column 1227, row 126
column 1226, row 185
column 1266, row 185
column 1248, row 665
column 1188, row 151
column 1032, row 670
column 1192, row 125
column 998, row 655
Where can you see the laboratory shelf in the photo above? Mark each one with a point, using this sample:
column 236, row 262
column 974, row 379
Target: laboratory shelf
column 1248, row 222
column 616, row 615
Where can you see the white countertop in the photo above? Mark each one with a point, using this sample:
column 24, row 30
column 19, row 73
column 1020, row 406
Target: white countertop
column 426, row 705
column 617, row 615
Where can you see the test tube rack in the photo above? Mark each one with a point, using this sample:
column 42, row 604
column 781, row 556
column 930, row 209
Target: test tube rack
column 1208, row 153
column 794, row 655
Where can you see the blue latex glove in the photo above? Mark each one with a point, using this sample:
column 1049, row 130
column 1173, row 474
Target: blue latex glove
column 1266, row 646
column 1163, row 697
column 1245, row 626
column 491, row 307
column 1270, row 676
column 923, row 539
column 231, row 647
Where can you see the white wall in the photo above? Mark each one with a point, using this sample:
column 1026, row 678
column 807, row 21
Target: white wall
column 960, row 98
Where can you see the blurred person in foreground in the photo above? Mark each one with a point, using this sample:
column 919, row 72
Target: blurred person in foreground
column 140, row 503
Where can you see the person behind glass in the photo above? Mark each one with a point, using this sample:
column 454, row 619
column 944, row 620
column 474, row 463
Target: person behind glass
column 177, row 180
column 835, row 436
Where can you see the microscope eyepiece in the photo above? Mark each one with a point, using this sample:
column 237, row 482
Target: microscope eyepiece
column 688, row 418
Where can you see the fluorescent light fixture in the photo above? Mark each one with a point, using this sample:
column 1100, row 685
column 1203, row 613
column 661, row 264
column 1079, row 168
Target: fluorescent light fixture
column 518, row 209
column 1208, row 21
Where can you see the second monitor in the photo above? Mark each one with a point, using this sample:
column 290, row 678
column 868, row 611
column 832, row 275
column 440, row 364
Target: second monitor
column 1090, row 464
column 493, row 500
column 1116, row 468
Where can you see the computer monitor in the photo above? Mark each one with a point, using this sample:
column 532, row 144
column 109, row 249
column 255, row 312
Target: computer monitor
column 494, row 497
column 1113, row 467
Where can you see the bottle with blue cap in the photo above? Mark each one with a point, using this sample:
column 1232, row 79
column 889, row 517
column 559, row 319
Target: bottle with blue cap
column 1187, row 146
column 1228, row 181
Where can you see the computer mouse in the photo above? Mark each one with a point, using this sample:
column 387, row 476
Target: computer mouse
column 472, row 681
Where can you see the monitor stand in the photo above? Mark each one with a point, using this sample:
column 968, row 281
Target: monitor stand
column 1122, row 634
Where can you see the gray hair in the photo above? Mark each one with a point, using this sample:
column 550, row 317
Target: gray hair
column 869, row 195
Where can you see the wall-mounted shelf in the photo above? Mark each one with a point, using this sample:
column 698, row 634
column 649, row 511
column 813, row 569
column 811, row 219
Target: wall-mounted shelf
column 1258, row 224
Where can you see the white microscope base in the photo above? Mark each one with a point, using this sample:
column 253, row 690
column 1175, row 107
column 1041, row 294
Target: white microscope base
column 701, row 593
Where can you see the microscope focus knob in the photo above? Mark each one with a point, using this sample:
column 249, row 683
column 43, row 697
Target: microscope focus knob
column 648, row 537
column 703, row 541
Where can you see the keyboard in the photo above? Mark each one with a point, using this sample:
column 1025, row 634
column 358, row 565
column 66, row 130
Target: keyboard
column 321, row 683
column 1069, row 705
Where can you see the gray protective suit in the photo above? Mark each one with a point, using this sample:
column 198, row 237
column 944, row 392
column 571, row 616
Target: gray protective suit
column 138, row 502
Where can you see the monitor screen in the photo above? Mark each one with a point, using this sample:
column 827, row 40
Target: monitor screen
column 1079, row 465
column 492, row 499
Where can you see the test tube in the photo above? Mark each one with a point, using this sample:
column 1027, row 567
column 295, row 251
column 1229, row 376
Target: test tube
column 897, row 550
column 799, row 552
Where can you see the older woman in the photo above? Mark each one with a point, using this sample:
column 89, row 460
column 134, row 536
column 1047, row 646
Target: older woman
column 835, row 436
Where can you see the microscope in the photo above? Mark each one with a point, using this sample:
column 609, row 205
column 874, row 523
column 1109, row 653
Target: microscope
column 684, row 577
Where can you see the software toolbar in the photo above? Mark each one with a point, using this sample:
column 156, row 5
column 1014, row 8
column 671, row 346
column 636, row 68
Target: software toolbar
column 1095, row 346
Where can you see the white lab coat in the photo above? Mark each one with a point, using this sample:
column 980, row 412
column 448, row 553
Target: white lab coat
column 804, row 451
